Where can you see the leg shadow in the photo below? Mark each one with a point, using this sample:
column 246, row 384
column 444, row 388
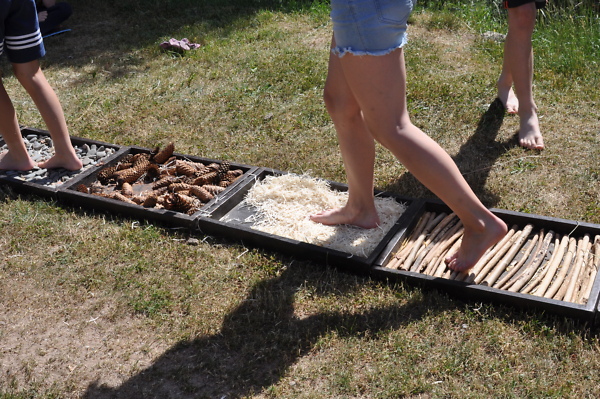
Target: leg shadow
column 257, row 344
column 475, row 159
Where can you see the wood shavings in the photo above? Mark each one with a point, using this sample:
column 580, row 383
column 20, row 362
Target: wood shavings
column 284, row 203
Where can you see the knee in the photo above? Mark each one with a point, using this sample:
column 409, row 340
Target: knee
column 522, row 18
column 339, row 106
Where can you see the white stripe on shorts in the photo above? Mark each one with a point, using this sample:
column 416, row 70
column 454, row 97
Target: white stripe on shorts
column 24, row 41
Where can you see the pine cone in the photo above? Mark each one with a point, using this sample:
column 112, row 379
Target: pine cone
column 162, row 156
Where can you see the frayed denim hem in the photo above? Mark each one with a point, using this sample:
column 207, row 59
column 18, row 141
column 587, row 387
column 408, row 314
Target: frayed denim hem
column 342, row 51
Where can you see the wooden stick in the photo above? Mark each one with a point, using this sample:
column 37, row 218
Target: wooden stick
column 425, row 246
column 582, row 252
column 396, row 262
column 515, row 246
column 424, row 221
column 542, row 270
column 441, row 226
column 537, row 260
column 446, row 241
column 437, row 235
column 557, row 256
column 526, row 260
column 566, row 281
column 441, row 260
column 586, row 267
column 595, row 264
column 506, row 280
column 554, row 289
column 418, row 243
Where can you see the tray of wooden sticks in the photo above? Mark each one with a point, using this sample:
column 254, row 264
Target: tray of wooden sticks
column 157, row 184
column 545, row 263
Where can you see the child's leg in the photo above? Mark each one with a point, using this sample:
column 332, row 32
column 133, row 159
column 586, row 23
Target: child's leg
column 379, row 86
column 16, row 158
column 33, row 80
column 505, row 91
column 518, row 60
column 358, row 153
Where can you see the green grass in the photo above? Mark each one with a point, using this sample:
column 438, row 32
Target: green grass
column 99, row 305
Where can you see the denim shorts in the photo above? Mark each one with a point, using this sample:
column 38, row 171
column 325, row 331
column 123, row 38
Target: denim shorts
column 369, row 27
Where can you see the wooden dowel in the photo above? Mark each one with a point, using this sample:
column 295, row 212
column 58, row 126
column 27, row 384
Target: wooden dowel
column 582, row 252
column 515, row 245
column 557, row 256
column 554, row 290
column 541, row 272
column 537, row 260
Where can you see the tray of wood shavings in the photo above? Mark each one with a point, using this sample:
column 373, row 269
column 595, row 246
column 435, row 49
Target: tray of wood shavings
column 272, row 211
column 158, row 185
column 545, row 263
column 46, row 182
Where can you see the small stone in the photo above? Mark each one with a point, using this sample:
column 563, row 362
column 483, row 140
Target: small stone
column 192, row 241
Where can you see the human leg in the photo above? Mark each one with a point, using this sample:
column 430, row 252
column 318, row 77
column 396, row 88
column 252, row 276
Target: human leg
column 358, row 152
column 517, row 69
column 378, row 84
column 33, row 80
column 16, row 158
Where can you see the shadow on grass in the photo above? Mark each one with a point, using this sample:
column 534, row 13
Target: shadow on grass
column 258, row 342
column 477, row 156
column 107, row 34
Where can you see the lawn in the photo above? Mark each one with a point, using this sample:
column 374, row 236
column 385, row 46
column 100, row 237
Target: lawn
column 99, row 305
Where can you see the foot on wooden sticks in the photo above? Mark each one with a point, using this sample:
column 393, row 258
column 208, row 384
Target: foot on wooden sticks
column 475, row 242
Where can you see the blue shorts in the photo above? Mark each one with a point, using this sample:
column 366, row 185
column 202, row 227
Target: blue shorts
column 369, row 27
column 20, row 35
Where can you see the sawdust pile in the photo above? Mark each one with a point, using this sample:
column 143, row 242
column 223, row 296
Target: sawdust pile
column 283, row 205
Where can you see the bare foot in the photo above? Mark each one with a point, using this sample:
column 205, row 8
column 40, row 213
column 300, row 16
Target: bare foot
column 529, row 132
column 475, row 242
column 508, row 99
column 66, row 162
column 333, row 217
column 8, row 162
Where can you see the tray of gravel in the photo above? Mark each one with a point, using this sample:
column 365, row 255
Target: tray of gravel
column 156, row 185
column 271, row 211
column 46, row 182
column 543, row 263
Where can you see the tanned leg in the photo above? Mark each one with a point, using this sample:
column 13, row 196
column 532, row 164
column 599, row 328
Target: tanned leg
column 33, row 80
column 16, row 158
column 518, row 70
column 358, row 153
column 378, row 84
